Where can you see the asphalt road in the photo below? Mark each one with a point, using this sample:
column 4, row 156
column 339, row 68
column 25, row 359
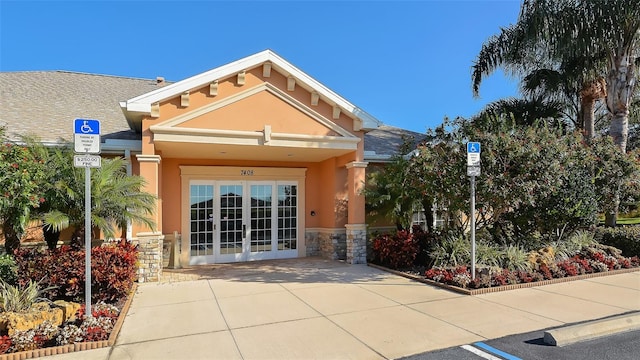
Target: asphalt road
column 529, row 346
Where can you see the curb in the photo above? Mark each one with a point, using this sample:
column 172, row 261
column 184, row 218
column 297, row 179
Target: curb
column 593, row 329
column 493, row 289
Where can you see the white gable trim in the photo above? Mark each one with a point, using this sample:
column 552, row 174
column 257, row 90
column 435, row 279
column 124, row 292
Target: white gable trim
column 248, row 93
column 142, row 103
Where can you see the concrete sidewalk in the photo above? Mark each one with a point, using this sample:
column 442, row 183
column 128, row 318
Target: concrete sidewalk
column 319, row 309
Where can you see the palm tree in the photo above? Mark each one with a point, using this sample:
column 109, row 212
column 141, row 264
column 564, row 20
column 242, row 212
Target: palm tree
column 507, row 113
column 563, row 31
column 597, row 30
column 116, row 198
column 548, row 83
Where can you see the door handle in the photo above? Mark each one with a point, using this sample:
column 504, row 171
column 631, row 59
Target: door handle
column 244, row 231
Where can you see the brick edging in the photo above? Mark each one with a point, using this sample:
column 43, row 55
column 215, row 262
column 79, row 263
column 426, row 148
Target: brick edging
column 88, row 345
column 504, row 287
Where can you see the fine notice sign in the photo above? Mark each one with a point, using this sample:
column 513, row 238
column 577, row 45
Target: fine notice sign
column 92, row 161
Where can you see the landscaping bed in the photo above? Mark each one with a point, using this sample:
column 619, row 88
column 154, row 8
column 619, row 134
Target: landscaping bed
column 444, row 262
column 420, row 278
column 54, row 349
column 47, row 316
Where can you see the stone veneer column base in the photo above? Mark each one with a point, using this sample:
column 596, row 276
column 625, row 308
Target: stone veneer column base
column 149, row 256
column 356, row 243
column 327, row 243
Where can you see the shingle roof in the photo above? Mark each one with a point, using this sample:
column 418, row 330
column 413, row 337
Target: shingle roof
column 386, row 141
column 45, row 103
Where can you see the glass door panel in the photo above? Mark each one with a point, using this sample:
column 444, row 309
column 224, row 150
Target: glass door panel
column 231, row 219
column 201, row 220
column 261, row 212
column 287, row 217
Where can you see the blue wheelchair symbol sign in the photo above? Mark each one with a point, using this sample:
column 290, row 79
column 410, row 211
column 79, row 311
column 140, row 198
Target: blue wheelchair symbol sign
column 473, row 147
column 87, row 127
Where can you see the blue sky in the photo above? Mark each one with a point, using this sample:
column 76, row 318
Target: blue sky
column 408, row 63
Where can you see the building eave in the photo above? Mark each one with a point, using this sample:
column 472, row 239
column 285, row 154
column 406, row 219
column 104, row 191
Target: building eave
column 141, row 105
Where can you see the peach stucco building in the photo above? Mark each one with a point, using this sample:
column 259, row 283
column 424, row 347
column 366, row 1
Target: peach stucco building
column 251, row 160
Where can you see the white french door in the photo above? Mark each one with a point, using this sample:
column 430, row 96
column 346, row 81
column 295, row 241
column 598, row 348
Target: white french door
column 242, row 220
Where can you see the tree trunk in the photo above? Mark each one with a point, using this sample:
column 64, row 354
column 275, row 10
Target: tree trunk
column 50, row 237
column 590, row 93
column 611, row 219
column 620, row 88
column 619, row 130
column 77, row 238
column 11, row 237
column 587, row 108
column 428, row 212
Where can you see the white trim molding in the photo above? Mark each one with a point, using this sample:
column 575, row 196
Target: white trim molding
column 356, row 164
column 148, row 158
column 139, row 106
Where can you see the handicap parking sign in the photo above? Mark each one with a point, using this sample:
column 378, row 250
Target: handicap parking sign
column 473, row 154
column 473, row 147
column 86, row 136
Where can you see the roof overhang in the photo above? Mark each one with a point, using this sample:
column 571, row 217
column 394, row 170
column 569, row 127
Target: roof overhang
column 173, row 139
column 136, row 108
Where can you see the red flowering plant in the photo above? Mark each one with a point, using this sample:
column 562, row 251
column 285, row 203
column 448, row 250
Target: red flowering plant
column 397, row 250
column 569, row 267
column 5, row 344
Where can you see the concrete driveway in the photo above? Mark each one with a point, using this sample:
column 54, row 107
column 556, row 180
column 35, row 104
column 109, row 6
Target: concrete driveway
column 319, row 309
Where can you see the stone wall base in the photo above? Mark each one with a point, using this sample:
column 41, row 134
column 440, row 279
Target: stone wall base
column 149, row 256
column 327, row 243
column 356, row 243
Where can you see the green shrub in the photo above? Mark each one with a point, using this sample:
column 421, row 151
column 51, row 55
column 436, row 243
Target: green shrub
column 453, row 250
column 113, row 271
column 565, row 249
column 488, row 254
column 15, row 298
column 514, row 258
column 8, row 269
column 626, row 239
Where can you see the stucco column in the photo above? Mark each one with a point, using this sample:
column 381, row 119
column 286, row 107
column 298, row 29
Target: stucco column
column 150, row 172
column 355, row 184
column 149, row 241
column 356, row 227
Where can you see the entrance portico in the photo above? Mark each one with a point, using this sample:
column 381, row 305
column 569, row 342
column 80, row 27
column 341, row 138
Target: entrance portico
column 253, row 160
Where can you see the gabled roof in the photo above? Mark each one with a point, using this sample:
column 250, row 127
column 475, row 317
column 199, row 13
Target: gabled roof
column 45, row 103
column 136, row 107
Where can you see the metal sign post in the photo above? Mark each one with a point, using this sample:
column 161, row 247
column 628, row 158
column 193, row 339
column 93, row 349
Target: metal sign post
column 473, row 170
column 87, row 141
column 473, row 227
column 87, row 240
